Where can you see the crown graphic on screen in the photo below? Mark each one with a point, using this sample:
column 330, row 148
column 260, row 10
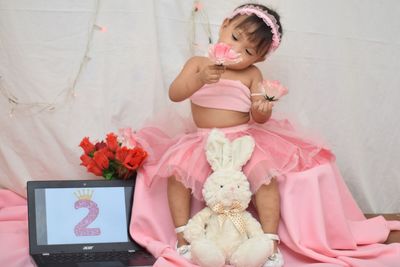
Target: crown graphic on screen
column 84, row 194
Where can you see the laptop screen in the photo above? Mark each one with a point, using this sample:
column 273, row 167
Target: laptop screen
column 80, row 215
column 70, row 215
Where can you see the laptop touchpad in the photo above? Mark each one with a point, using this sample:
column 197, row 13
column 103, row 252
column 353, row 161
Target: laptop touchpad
column 102, row 264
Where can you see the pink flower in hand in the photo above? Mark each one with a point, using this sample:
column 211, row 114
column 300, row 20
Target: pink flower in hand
column 223, row 54
column 273, row 90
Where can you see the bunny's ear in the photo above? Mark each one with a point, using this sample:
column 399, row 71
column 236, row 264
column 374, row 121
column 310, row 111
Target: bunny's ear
column 218, row 150
column 242, row 148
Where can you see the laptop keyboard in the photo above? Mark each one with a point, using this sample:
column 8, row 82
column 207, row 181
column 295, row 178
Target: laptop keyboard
column 94, row 256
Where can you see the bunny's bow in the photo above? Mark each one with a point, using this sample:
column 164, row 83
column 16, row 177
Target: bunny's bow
column 234, row 213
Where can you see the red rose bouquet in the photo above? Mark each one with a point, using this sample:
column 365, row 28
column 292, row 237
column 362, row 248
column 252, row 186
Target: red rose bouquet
column 116, row 157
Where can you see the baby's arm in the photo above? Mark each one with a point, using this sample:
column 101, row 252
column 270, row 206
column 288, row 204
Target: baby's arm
column 195, row 73
column 261, row 109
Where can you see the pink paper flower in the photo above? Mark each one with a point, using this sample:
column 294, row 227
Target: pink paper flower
column 198, row 6
column 273, row 90
column 128, row 138
column 223, row 54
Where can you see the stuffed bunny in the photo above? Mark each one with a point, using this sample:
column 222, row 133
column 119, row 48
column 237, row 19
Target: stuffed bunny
column 224, row 232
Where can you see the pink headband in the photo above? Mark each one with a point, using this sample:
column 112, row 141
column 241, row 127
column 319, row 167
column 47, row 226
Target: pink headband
column 269, row 19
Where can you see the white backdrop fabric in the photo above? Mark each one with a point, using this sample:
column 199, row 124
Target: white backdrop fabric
column 340, row 60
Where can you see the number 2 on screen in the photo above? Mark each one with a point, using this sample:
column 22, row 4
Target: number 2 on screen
column 81, row 228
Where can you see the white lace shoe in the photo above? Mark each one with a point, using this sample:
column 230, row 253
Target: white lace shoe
column 276, row 259
column 184, row 250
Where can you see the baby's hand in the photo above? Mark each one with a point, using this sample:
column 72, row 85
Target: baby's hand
column 211, row 73
column 262, row 106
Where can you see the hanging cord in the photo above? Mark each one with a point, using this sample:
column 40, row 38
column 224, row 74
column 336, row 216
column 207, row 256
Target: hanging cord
column 70, row 91
column 199, row 15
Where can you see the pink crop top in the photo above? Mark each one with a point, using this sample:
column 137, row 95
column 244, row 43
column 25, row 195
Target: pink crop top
column 225, row 94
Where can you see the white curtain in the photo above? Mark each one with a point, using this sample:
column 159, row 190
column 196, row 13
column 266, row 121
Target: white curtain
column 339, row 59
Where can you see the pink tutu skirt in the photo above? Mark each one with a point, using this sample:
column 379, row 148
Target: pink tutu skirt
column 279, row 149
column 321, row 224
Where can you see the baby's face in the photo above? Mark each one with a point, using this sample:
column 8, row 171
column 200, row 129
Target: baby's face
column 237, row 39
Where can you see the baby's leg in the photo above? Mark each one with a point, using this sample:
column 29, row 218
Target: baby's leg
column 179, row 204
column 267, row 202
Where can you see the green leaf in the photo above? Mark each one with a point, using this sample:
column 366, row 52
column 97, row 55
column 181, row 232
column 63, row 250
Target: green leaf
column 113, row 164
column 108, row 174
column 270, row 98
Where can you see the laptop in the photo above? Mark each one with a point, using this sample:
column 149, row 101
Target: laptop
column 82, row 224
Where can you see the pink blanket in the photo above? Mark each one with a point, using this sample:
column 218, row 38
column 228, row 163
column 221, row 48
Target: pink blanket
column 321, row 224
column 13, row 230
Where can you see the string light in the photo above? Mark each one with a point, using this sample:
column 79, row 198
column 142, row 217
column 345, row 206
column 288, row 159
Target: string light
column 200, row 12
column 69, row 92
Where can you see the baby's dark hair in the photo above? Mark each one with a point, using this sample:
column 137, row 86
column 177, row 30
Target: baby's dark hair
column 262, row 34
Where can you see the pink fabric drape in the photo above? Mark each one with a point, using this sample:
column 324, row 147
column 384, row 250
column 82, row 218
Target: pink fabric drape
column 14, row 245
column 321, row 223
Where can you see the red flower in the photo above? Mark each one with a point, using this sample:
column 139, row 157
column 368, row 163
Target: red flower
column 91, row 165
column 101, row 159
column 85, row 160
column 109, row 154
column 93, row 168
column 100, row 145
column 121, row 153
column 131, row 158
column 135, row 158
column 112, row 142
column 87, row 146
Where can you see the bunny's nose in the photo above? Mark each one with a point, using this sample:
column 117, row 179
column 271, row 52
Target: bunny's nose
column 232, row 188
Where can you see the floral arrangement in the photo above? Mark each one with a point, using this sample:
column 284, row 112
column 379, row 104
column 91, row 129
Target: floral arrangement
column 116, row 157
column 223, row 54
column 273, row 90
